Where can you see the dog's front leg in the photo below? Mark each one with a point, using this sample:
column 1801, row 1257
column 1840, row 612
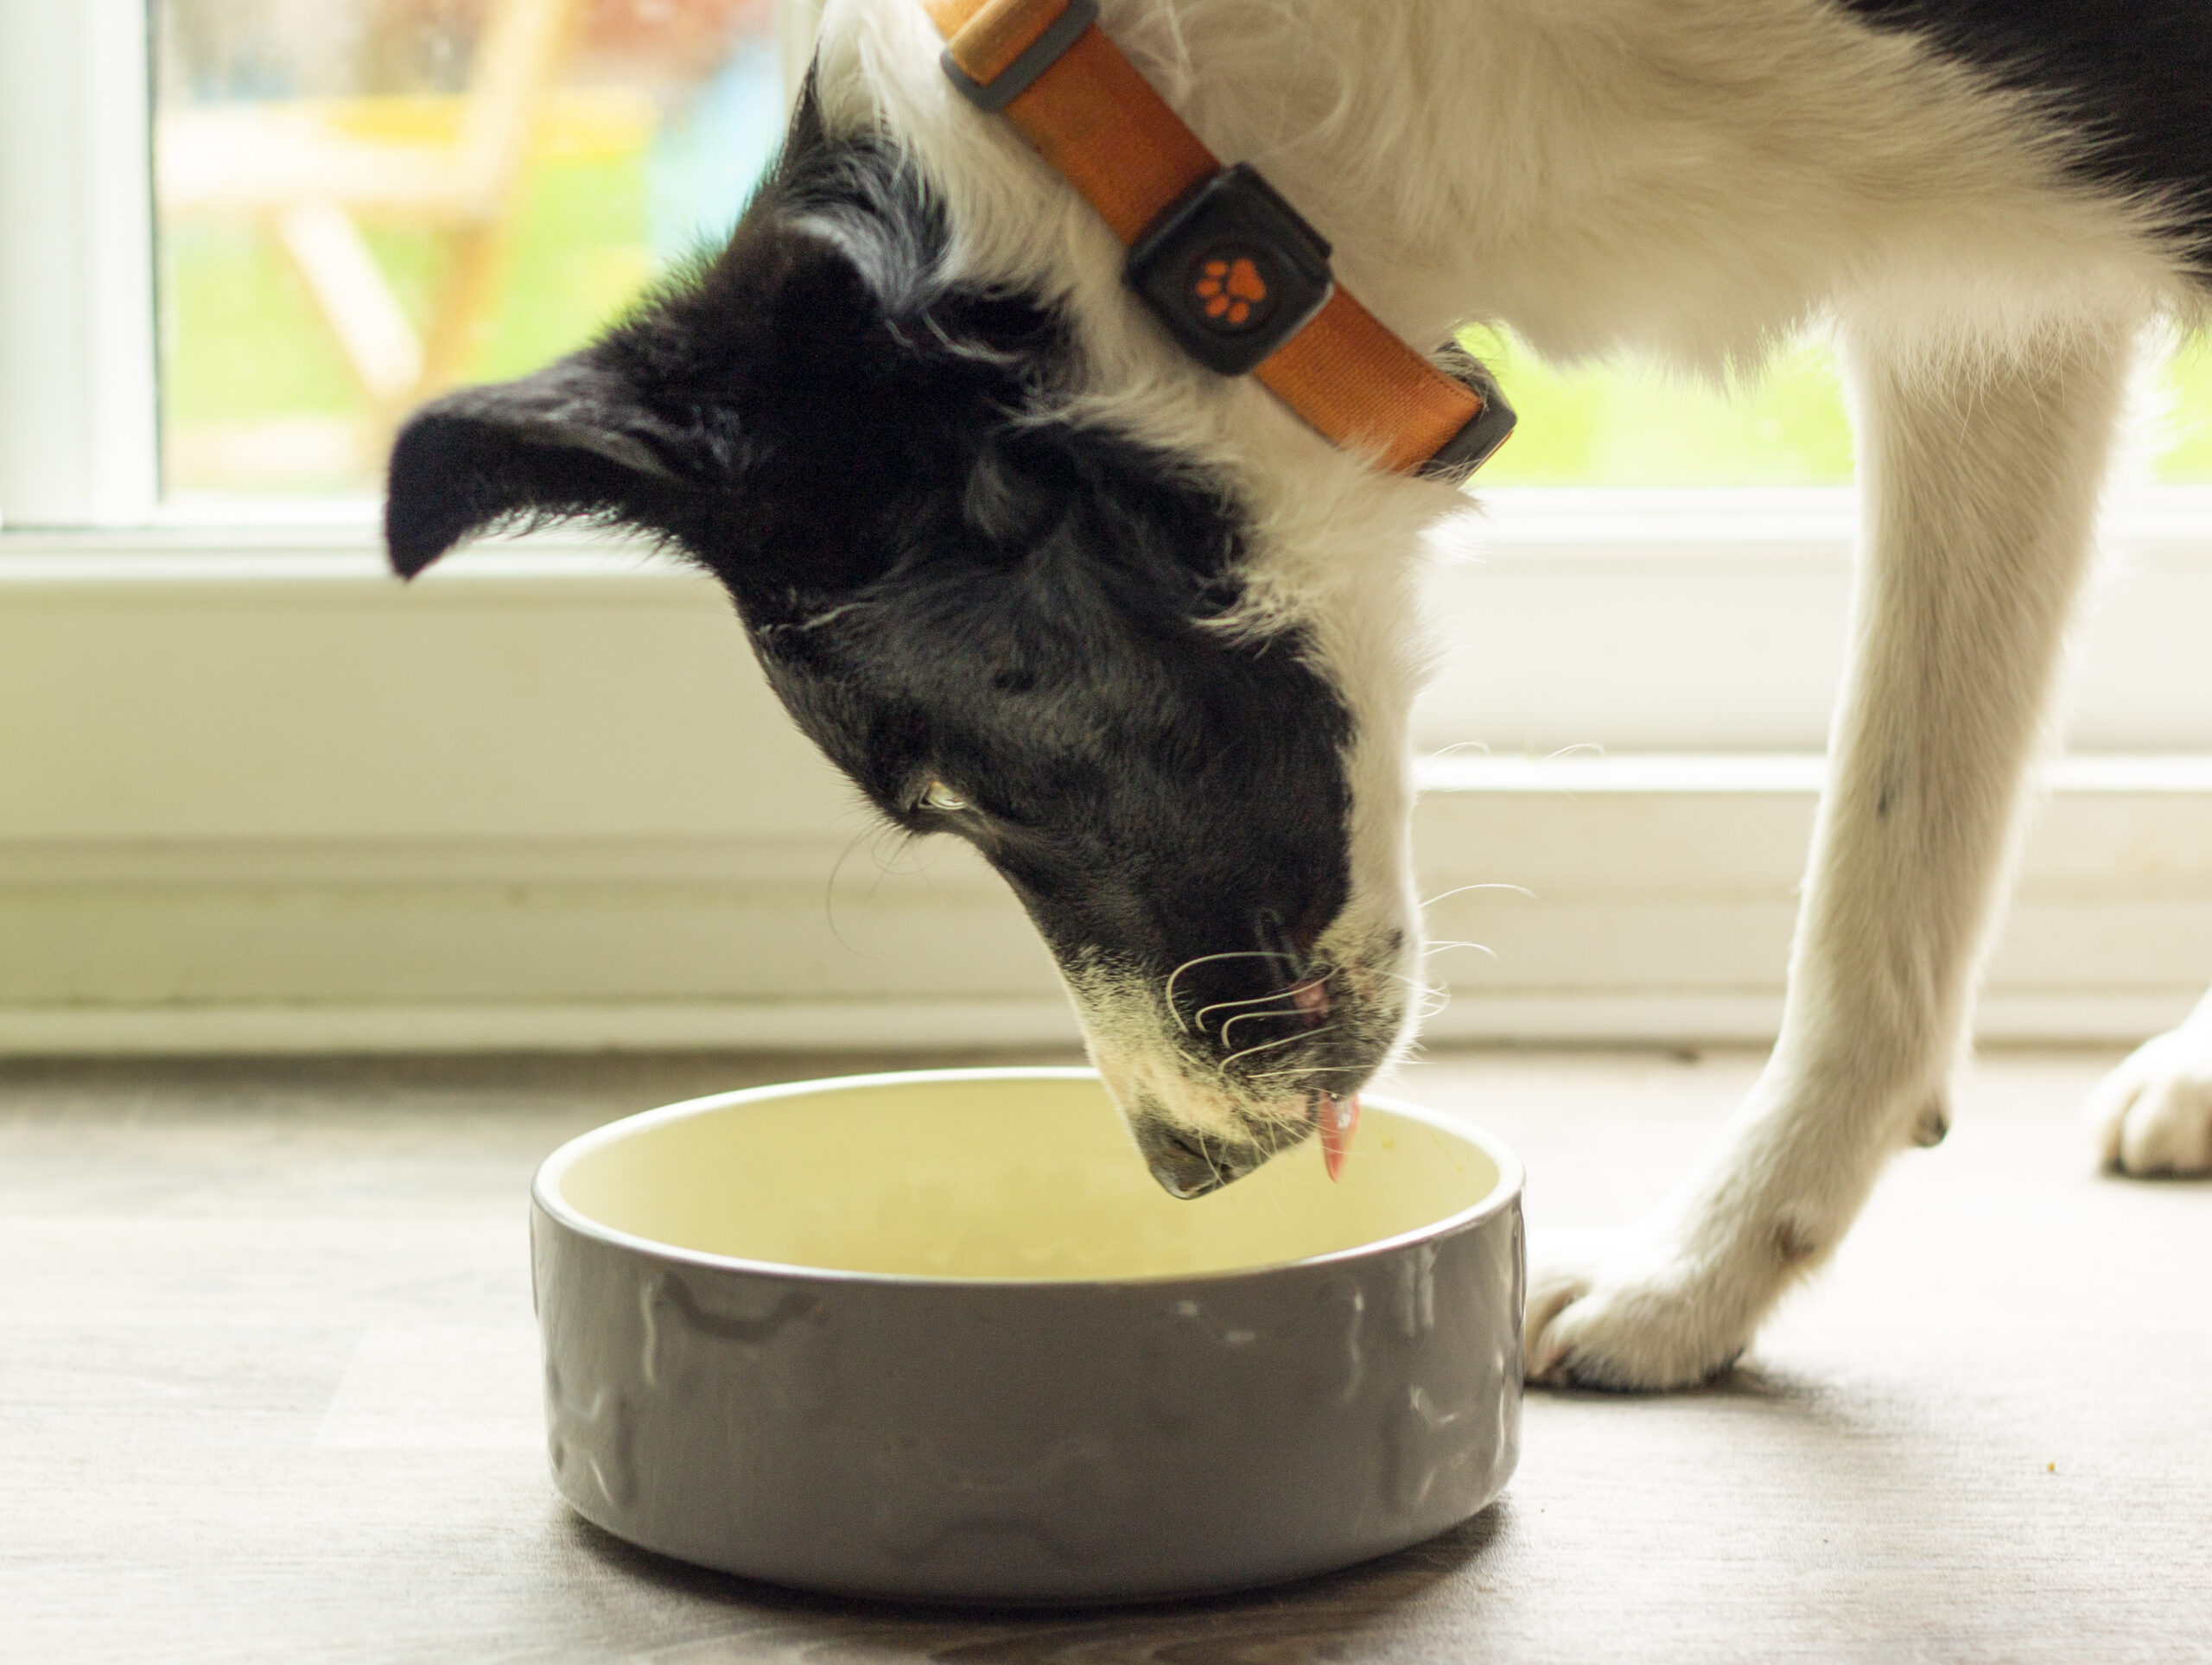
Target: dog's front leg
column 1980, row 480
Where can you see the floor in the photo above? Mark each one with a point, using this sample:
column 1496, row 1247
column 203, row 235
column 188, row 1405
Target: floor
column 268, row 1390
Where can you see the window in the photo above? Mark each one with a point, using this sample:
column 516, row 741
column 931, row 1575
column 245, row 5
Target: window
column 355, row 202
column 262, row 796
column 362, row 202
column 349, row 203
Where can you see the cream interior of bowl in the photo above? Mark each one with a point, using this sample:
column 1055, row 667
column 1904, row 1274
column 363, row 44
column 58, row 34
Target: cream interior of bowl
column 1007, row 1178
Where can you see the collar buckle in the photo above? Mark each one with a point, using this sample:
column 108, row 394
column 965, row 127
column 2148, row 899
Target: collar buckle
column 1491, row 425
column 1019, row 75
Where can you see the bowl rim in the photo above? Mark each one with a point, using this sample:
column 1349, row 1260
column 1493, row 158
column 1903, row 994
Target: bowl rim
column 544, row 1188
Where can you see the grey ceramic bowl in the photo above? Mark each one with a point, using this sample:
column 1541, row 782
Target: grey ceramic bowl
column 940, row 1336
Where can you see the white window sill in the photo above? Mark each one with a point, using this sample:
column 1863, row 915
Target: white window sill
column 1654, row 621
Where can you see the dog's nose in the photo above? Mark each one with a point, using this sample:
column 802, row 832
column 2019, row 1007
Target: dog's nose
column 1188, row 1165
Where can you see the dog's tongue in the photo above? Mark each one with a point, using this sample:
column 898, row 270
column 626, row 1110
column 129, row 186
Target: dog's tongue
column 1339, row 1121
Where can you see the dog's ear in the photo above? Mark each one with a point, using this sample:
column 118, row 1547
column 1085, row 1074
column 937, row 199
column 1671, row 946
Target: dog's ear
column 572, row 440
column 778, row 412
column 777, row 350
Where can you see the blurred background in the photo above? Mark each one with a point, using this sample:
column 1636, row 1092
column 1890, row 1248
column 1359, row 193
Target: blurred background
column 362, row 201
column 254, row 795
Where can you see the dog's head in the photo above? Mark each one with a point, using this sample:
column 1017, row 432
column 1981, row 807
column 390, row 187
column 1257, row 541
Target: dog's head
column 1076, row 650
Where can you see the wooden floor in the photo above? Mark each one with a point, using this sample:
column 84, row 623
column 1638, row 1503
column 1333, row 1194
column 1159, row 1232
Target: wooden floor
column 268, row 1391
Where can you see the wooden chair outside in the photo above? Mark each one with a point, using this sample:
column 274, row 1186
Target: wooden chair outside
column 295, row 168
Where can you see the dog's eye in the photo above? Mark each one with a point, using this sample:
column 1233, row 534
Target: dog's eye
column 941, row 797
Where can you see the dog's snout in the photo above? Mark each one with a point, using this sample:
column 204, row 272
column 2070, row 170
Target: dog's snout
column 1258, row 1039
column 1189, row 1165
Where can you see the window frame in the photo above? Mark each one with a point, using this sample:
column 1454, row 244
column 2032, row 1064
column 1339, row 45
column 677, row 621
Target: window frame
column 79, row 392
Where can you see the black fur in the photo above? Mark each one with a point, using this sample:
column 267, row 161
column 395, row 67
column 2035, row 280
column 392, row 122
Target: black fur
column 2134, row 78
column 942, row 583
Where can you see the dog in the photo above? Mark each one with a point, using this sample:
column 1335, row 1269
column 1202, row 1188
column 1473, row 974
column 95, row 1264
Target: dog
column 1033, row 575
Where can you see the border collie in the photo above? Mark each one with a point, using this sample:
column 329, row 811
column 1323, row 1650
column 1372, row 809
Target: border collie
column 1032, row 576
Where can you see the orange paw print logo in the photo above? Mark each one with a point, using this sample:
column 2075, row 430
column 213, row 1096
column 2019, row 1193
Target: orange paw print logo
column 1230, row 287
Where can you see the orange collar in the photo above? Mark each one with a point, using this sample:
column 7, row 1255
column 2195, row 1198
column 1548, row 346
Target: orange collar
column 1227, row 266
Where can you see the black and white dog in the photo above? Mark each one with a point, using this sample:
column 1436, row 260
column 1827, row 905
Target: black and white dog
column 1033, row 577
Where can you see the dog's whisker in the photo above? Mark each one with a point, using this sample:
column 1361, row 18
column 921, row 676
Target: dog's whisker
column 1233, row 1022
column 1438, row 995
column 1412, row 982
column 1479, row 948
column 1199, row 1017
column 1461, row 890
column 1213, row 1168
column 1168, row 994
column 1286, row 1040
column 1294, row 1069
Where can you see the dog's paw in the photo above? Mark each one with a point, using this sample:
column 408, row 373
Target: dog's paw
column 1625, row 1314
column 2153, row 1114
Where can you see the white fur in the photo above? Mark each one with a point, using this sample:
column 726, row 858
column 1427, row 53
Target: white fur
column 2153, row 1115
column 1981, row 493
column 1699, row 179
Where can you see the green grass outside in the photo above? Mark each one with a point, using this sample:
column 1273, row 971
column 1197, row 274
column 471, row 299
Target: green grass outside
column 1635, row 426
column 244, row 344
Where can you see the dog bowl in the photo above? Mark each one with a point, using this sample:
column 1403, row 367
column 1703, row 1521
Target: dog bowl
column 939, row 1337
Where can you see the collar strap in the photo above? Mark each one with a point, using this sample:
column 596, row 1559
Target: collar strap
column 1227, row 266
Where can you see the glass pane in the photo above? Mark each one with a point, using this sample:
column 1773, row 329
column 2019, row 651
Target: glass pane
column 361, row 201
column 2184, row 433
column 1627, row 425
column 1620, row 425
